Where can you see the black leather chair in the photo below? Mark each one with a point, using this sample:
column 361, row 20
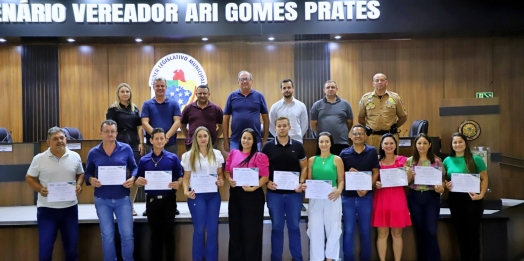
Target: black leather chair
column 5, row 136
column 418, row 126
column 72, row 133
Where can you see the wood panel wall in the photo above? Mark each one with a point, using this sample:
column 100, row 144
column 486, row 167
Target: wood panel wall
column 422, row 71
column 11, row 91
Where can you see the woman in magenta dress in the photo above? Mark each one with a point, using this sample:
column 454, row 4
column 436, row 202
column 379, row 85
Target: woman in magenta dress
column 390, row 207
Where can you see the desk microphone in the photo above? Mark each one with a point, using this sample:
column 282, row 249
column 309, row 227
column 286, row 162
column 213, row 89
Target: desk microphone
column 6, row 136
column 405, row 133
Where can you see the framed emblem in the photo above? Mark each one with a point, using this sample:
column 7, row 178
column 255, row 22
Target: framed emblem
column 470, row 129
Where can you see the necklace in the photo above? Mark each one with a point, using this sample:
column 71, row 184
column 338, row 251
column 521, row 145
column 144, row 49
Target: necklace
column 156, row 163
column 324, row 159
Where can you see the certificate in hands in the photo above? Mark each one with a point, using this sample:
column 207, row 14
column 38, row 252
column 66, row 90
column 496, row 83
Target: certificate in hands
column 158, row 180
column 286, row 180
column 318, row 189
column 396, row 177
column 427, row 176
column 61, row 191
column 465, row 182
column 360, row 180
column 204, row 183
column 112, row 175
column 246, row 176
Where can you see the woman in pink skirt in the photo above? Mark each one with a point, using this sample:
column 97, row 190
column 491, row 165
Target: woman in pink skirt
column 390, row 208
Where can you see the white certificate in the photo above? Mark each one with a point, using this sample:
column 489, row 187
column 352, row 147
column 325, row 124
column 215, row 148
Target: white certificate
column 158, row 180
column 360, row 180
column 427, row 176
column 112, row 175
column 286, row 180
column 465, row 182
column 318, row 189
column 396, row 177
column 246, row 176
column 204, row 183
column 61, row 191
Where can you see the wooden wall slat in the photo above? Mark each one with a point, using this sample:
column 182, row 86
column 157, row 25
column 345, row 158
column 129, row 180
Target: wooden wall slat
column 16, row 193
column 11, row 91
column 346, row 70
column 468, row 67
column 84, row 81
column 419, row 81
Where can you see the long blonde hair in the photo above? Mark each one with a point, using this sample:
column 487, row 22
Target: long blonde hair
column 194, row 154
column 117, row 100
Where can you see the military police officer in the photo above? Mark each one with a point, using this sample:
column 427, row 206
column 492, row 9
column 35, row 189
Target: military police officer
column 381, row 111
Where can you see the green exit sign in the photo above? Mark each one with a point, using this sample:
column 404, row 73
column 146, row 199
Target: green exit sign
column 485, row 95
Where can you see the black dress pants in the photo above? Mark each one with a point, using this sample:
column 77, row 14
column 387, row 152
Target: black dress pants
column 466, row 216
column 161, row 219
column 246, row 216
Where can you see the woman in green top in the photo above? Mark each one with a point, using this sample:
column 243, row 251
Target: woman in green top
column 325, row 215
column 466, row 208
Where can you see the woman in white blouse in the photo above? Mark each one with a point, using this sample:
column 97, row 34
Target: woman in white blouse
column 203, row 162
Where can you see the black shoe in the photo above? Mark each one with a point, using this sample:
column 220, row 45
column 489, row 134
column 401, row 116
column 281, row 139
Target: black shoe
column 145, row 213
column 177, row 212
column 303, row 207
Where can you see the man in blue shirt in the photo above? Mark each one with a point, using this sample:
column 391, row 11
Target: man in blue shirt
column 108, row 164
column 245, row 106
column 161, row 112
column 359, row 157
column 159, row 202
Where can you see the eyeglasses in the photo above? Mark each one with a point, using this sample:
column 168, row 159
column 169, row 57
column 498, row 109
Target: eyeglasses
column 109, row 132
column 357, row 134
column 244, row 79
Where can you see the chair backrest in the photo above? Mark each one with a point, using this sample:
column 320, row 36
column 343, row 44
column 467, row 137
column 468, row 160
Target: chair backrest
column 72, row 133
column 5, row 136
column 418, row 126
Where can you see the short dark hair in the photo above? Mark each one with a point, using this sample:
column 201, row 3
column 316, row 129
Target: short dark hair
column 203, row 86
column 287, row 80
column 325, row 133
column 157, row 130
column 108, row 122
column 358, row 125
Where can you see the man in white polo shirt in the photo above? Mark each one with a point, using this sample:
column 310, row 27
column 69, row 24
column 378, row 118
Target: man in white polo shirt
column 56, row 167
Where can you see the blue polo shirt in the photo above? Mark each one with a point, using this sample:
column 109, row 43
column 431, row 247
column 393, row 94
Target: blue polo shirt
column 121, row 156
column 367, row 160
column 161, row 116
column 245, row 112
column 166, row 161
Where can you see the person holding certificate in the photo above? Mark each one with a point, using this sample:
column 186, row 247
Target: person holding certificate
column 127, row 117
column 246, row 203
column 202, row 174
column 287, row 173
column 466, row 208
column 57, row 167
column 160, row 172
column 111, row 169
column 356, row 204
column 424, row 201
column 325, row 215
column 390, row 207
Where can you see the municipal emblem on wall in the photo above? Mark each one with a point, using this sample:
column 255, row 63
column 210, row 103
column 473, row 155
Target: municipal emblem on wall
column 183, row 74
column 470, row 129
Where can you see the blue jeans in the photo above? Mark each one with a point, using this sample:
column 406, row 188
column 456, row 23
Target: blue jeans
column 424, row 208
column 50, row 220
column 354, row 208
column 204, row 213
column 235, row 145
column 122, row 208
column 285, row 209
